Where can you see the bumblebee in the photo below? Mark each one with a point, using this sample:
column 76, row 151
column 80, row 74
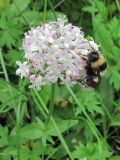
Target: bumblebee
column 96, row 65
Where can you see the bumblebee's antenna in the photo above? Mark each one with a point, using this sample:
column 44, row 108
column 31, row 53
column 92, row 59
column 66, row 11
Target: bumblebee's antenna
column 91, row 45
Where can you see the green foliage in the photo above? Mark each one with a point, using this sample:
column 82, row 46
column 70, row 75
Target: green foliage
column 10, row 29
column 90, row 103
column 85, row 123
column 93, row 150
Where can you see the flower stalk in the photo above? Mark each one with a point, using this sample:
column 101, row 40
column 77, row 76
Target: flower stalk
column 51, row 105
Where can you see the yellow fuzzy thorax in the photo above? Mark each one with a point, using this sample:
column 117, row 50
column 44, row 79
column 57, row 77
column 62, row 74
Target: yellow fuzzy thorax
column 99, row 62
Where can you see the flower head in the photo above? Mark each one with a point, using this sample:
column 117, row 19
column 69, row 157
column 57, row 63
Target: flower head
column 53, row 51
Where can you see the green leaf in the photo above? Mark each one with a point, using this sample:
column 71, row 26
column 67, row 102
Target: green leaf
column 64, row 125
column 37, row 150
column 10, row 29
column 3, row 136
column 102, row 35
column 21, row 5
column 90, row 9
column 113, row 74
column 24, row 153
column 35, row 157
column 13, row 56
column 115, row 158
column 9, row 96
column 106, row 93
column 31, row 131
column 97, row 7
column 45, row 93
column 33, row 18
column 89, row 100
column 117, row 123
column 50, row 16
column 10, row 151
column 114, row 28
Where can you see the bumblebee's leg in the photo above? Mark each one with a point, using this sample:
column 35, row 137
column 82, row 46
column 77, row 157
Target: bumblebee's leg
column 91, row 81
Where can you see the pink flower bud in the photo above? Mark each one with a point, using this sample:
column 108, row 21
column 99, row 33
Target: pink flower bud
column 54, row 36
column 26, row 72
column 70, row 27
column 32, row 77
column 71, row 47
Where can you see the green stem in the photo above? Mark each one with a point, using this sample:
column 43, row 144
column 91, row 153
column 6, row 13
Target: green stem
column 52, row 9
column 21, row 14
column 39, row 107
column 17, row 128
column 3, row 66
column 45, row 10
column 51, row 106
column 52, row 99
column 18, row 141
column 118, row 5
column 6, row 76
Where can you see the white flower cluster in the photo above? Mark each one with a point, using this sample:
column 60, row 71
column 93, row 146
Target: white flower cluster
column 53, row 52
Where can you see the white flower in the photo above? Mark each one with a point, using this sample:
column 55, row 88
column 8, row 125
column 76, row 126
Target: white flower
column 23, row 69
column 53, row 52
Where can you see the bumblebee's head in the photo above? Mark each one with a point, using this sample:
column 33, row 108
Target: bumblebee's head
column 93, row 56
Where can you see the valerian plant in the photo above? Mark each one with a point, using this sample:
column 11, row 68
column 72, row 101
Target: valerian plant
column 25, row 132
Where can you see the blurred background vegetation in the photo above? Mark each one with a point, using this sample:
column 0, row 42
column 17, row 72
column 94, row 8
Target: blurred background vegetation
column 23, row 112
